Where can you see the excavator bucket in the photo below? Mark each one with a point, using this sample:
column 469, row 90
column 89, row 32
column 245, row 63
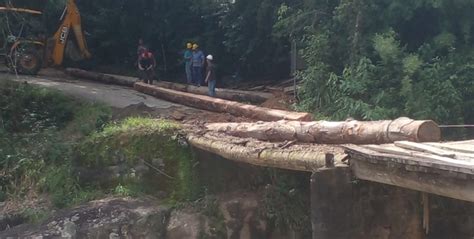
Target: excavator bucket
column 62, row 44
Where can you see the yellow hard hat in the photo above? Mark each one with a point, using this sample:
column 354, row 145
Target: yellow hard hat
column 195, row 46
column 189, row 45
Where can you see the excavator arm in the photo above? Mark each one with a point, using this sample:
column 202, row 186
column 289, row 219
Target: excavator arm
column 71, row 21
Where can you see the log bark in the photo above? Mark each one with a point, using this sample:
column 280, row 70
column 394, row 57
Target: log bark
column 354, row 132
column 220, row 105
column 104, row 78
column 227, row 94
column 296, row 158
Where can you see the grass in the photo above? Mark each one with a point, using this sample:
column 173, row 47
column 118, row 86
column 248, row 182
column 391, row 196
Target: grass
column 143, row 125
column 151, row 141
column 38, row 130
column 35, row 216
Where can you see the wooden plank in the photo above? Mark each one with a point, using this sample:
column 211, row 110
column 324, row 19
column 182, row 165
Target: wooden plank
column 436, row 150
column 391, row 149
column 456, row 148
column 434, row 163
column 465, row 142
column 424, row 148
column 397, row 175
column 463, row 148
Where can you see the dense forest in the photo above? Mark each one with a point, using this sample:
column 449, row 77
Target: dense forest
column 363, row 59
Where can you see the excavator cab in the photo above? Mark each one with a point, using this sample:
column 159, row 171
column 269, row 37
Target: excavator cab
column 26, row 53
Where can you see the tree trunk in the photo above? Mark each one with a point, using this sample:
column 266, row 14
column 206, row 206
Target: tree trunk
column 297, row 157
column 354, row 132
column 108, row 79
column 227, row 94
column 219, row 105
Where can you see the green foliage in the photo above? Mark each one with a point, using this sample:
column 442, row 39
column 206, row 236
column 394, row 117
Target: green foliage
column 143, row 140
column 387, row 59
column 237, row 33
column 121, row 190
column 59, row 183
column 139, row 124
column 37, row 133
column 26, row 108
column 35, row 216
column 286, row 202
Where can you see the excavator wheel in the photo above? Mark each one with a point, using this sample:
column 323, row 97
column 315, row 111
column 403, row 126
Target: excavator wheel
column 28, row 62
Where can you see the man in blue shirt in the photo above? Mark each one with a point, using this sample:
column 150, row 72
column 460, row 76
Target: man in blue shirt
column 188, row 55
column 197, row 62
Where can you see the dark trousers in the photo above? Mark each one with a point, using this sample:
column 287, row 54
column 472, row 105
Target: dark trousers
column 197, row 75
column 212, row 87
column 147, row 76
column 189, row 73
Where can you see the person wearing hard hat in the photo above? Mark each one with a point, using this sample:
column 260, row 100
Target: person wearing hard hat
column 197, row 62
column 188, row 55
column 211, row 75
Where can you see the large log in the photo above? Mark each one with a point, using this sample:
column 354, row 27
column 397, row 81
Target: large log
column 298, row 158
column 220, row 105
column 104, row 78
column 227, row 94
column 354, row 132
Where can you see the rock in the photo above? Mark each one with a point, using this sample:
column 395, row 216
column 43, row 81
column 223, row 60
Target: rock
column 184, row 225
column 107, row 218
column 241, row 217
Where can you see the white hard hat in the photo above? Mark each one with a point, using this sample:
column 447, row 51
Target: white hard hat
column 210, row 57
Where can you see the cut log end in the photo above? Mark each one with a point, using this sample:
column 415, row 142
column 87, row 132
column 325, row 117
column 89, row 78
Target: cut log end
column 428, row 131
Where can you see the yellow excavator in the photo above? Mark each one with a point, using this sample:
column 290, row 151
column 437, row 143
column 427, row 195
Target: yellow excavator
column 27, row 54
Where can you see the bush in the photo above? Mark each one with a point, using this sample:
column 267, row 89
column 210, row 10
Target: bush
column 38, row 129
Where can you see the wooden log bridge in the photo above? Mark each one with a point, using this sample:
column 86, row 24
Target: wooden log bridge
column 220, row 105
column 445, row 169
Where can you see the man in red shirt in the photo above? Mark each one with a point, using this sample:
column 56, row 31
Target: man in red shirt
column 146, row 65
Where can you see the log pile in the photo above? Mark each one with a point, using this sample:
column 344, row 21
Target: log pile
column 325, row 132
column 220, row 105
